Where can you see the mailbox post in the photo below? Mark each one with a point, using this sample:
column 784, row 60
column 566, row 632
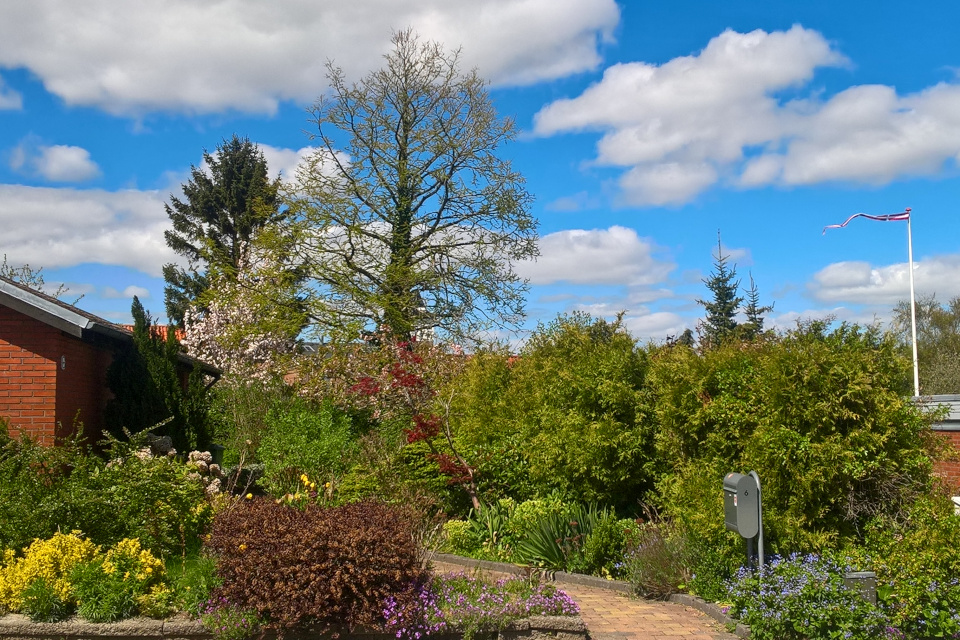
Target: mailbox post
column 742, row 509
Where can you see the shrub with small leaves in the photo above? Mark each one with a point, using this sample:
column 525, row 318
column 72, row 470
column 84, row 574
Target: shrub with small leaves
column 656, row 559
column 317, row 566
column 228, row 622
column 918, row 570
column 458, row 538
column 470, row 605
column 192, row 579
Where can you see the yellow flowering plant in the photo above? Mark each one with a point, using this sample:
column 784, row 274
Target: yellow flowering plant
column 120, row 583
column 52, row 560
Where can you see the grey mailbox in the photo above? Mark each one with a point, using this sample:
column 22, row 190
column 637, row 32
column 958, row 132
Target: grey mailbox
column 741, row 504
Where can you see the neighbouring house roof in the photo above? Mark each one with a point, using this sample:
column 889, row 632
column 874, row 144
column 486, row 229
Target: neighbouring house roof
column 160, row 330
column 73, row 320
column 951, row 421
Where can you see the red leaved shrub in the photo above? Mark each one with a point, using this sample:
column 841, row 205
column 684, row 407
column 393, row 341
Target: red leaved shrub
column 318, row 566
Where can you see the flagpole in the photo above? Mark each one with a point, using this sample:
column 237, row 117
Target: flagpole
column 913, row 309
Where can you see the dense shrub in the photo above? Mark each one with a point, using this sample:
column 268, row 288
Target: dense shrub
column 657, row 559
column 321, row 566
column 304, row 438
column 46, row 489
column 819, row 414
column 49, row 561
column 562, row 416
column 469, row 605
column 67, row 572
column 918, row 570
column 112, row 586
column 238, row 415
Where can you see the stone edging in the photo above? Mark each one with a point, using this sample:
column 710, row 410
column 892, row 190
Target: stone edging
column 19, row 627
column 713, row 610
column 14, row 625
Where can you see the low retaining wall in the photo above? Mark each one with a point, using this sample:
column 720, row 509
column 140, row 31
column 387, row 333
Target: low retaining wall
column 19, row 627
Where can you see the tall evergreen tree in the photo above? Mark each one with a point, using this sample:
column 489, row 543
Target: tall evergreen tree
column 221, row 211
column 722, row 308
column 754, row 311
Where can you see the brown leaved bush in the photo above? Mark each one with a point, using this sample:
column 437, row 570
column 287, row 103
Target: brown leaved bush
column 316, row 567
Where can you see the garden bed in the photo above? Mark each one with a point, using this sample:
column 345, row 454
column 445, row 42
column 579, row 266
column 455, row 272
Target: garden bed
column 16, row 626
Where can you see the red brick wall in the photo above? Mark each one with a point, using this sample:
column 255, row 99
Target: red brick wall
column 949, row 470
column 36, row 395
column 28, row 354
column 81, row 387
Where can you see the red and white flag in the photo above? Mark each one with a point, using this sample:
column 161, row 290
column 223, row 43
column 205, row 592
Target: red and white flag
column 889, row 217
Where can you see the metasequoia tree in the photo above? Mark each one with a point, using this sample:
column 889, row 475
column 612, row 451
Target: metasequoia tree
column 222, row 209
column 406, row 216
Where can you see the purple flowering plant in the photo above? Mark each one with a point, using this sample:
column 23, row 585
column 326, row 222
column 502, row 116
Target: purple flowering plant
column 803, row 597
column 470, row 605
column 227, row 621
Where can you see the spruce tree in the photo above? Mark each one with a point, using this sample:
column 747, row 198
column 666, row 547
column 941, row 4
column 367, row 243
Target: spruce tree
column 722, row 308
column 222, row 209
column 754, row 312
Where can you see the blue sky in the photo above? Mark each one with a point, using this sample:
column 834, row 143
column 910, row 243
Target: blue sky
column 646, row 128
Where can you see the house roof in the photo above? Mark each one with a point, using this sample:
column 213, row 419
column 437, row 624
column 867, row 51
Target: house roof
column 72, row 320
column 951, row 421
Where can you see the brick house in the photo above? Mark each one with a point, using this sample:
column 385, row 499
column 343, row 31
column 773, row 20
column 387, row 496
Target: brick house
column 53, row 364
column 949, row 427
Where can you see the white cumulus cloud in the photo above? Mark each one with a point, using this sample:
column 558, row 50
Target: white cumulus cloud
column 597, row 256
column 182, row 55
column 64, row 163
column 719, row 116
column 863, row 283
column 65, row 227
column 127, row 293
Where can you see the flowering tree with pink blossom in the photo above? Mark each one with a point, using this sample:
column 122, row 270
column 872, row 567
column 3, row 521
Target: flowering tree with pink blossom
column 249, row 319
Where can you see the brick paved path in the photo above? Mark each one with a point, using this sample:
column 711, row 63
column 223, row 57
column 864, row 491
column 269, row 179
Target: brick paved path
column 614, row 616
column 610, row 615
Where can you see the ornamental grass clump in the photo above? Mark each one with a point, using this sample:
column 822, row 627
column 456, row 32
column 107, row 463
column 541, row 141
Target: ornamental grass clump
column 803, row 597
column 315, row 566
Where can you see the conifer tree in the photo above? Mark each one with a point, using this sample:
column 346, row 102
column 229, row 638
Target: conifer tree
column 754, row 312
column 222, row 210
column 722, row 308
column 147, row 388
